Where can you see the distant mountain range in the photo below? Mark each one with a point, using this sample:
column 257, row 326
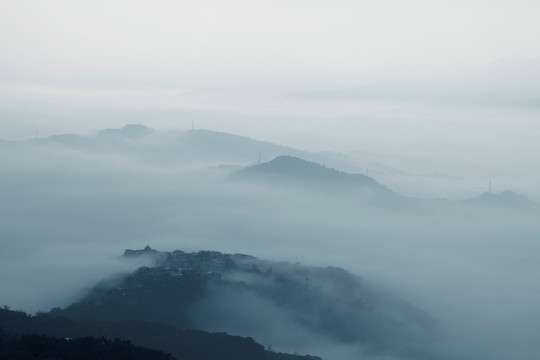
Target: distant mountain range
column 213, row 147
column 245, row 159
column 194, row 145
column 292, row 171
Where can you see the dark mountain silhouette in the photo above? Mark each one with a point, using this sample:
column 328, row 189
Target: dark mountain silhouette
column 35, row 347
column 243, row 295
column 182, row 344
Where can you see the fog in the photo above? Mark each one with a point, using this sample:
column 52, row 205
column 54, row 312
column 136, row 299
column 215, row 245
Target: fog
column 70, row 208
column 468, row 124
column 437, row 101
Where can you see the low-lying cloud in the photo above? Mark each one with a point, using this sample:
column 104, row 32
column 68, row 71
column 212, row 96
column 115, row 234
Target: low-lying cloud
column 67, row 214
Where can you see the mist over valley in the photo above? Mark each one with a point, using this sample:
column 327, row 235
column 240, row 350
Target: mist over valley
column 270, row 180
column 76, row 202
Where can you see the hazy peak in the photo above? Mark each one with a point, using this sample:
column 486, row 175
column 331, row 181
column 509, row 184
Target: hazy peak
column 505, row 198
column 129, row 131
column 294, row 168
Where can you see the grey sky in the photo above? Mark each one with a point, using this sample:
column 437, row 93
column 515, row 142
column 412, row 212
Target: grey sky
column 260, row 39
column 451, row 79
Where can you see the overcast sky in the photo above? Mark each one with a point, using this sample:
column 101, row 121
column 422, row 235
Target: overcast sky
column 163, row 38
column 235, row 66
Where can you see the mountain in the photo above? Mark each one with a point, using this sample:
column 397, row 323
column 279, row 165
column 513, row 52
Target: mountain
column 46, row 334
column 205, row 146
column 277, row 303
column 106, row 139
column 129, row 131
column 35, row 347
column 296, row 173
column 293, row 170
column 226, row 147
column 300, row 176
column 506, row 199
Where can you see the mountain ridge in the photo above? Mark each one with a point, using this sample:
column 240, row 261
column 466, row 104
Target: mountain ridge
column 204, row 149
column 182, row 344
column 292, row 171
column 243, row 295
column 291, row 167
